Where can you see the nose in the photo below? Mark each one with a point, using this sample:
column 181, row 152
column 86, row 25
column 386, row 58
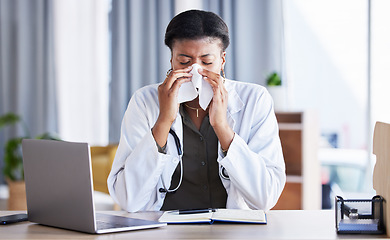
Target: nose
column 198, row 61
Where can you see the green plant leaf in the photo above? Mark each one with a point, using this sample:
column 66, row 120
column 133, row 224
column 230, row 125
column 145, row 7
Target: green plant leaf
column 13, row 161
column 8, row 119
column 273, row 79
column 48, row 136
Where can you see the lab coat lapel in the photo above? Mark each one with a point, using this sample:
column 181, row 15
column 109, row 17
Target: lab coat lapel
column 235, row 104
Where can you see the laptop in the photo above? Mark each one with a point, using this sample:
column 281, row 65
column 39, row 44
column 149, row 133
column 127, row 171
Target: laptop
column 59, row 189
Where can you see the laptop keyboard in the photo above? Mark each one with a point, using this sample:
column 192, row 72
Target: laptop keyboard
column 108, row 225
column 106, row 221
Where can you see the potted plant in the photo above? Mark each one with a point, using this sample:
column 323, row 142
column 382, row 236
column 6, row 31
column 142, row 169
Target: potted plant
column 277, row 91
column 13, row 162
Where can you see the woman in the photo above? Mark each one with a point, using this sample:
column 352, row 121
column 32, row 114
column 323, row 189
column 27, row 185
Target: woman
column 175, row 155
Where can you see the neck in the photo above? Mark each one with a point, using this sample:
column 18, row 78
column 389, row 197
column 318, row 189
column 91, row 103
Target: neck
column 193, row 104
column 195, row 112
column 197, row 109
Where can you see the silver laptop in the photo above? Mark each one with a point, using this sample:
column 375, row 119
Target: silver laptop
column 59, row 189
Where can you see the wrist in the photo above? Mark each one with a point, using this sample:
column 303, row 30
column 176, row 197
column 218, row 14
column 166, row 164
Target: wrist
column 160, row 132
column 225, row 136
column 222, row 128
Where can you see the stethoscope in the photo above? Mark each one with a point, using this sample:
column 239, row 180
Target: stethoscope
column 164, row 189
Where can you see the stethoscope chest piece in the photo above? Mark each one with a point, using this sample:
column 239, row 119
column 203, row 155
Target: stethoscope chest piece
column 223, row 173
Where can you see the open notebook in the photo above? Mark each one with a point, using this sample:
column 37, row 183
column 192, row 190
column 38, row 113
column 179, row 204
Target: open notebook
column 222, row 215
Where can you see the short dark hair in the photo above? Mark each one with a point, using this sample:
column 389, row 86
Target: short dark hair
column 196, row 24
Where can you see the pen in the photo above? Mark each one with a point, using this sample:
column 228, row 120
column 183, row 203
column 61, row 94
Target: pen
column 194, row 211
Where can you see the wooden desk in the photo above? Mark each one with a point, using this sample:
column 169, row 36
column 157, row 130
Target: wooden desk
column 282, row 224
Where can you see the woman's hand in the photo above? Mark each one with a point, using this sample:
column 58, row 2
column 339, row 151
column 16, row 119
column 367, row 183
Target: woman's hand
column 218, row 108
column 169, row 106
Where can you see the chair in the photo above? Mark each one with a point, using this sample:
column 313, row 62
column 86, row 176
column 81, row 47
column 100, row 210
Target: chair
column 102, row 158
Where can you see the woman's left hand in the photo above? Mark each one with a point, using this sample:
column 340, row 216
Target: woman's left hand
column 218, row 108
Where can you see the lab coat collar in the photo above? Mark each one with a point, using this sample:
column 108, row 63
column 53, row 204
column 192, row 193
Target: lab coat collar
column 235, row 103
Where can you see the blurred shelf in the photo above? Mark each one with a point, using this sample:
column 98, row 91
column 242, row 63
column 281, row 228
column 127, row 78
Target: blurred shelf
column 299, row 135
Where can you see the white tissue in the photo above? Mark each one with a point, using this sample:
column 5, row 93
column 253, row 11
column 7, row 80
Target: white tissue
column 196, row 87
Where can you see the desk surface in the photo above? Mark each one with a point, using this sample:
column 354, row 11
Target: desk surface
column 283, row 224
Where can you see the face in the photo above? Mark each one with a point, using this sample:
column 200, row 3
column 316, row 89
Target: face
column 206, row 52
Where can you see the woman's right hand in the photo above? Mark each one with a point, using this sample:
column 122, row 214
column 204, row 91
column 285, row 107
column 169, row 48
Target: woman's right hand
column 169, row 106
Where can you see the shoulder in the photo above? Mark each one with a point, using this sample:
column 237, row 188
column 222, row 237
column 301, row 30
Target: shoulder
column 144, row 98
column 147, row 95
column 247, row 91
column 146, row 91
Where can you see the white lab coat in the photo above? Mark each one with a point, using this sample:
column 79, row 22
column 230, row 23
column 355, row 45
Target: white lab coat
column 254, row 161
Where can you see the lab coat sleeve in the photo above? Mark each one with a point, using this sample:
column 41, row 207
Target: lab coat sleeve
column 135, row 177
column 254, row 161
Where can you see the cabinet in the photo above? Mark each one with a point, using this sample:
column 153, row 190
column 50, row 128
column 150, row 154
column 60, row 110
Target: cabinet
column 299, row 134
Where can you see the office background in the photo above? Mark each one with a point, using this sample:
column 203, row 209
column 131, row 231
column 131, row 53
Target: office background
column 70, row 67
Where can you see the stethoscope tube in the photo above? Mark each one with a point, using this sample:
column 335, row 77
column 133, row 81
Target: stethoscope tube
column 222, row 170
column 180, row 153
column 177, row 142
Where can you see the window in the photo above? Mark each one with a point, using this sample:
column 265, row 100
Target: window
column 82, row 68
column 327, row 70
column 380, row 60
